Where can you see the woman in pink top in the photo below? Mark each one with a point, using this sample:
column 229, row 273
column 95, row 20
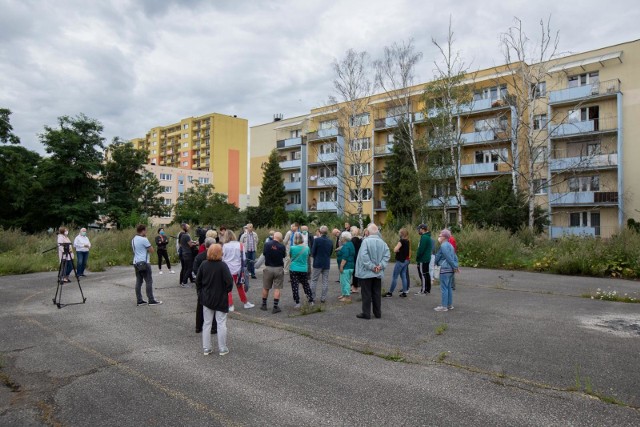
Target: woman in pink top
column 63, row 237
column 233, row 255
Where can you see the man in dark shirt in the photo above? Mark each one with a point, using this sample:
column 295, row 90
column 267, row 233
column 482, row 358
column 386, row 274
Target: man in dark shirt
column 321, row 253
column 198, row 260
column 186, row 244
column 273, row 274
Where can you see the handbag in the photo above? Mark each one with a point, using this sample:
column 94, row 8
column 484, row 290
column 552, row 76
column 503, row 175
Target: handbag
column 436, row 272
column 141, row 266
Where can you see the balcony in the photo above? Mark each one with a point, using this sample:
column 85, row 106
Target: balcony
column 451, row 201
column 324, row 134
column 597, row 161
column 292, row 186
column 292, row 207
column 327, row 158
column 597, row 125
column 379, row 178
column 389, row 122
column 480, row 169
column 291, row 164
column 558, row 232
column 380, row 205
column 195, row 156
column 382, row 150
column 582, row 198
column 328, row 181
column 579, row 93
column 480, row 137
column 323, row 206
column 290, row 142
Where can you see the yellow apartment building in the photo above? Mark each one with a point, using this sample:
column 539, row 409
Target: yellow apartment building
column 581, row 121
column 214, row 142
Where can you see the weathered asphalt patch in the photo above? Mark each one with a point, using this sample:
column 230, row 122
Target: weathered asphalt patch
column 627, row 326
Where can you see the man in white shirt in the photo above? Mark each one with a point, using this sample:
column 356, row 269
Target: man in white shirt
column 249, row 241
column 141, row 250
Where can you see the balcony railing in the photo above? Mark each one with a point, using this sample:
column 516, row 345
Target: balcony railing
column 389, row 122
column 560, row 130
column 480, row 169
column 597, row 89
column 323, row 206
column 596, row 161
column 379, row 178
column 558, row 232
column 290, row 142
column 327, row 157
column 480, row 136
column 382, row 150
column 292, row 186
column 292, row 207
column 324, row 134
column 291, row 164
column 380, row 205
column 451, row 201
column 324, row 181
column 578, row 198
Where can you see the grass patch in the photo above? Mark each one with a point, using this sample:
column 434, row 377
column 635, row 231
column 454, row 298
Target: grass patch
column 441, row 328
column 583, row 384
column 442, row 356
column 610, row 295
column 307, row 309
column 394, row 357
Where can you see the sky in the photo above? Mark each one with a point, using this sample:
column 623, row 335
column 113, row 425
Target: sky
column 137, row 64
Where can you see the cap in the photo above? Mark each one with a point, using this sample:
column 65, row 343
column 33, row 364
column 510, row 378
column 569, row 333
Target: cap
column 423, row 227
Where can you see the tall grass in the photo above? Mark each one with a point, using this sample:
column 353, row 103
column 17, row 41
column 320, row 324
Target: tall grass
column 618, row 256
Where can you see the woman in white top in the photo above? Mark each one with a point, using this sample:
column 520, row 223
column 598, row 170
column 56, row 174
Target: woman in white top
column 82, row 245
column 63, row 237
column 233, row 255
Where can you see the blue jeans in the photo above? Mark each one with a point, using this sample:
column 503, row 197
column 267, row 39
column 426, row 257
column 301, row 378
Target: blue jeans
column 445, row 288
column 251, row 257
column 83, row 256
column 400, row 269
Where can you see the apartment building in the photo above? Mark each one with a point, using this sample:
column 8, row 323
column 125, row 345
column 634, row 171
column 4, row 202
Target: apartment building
column 580, row 136
column 174, row 182
column 214, row 142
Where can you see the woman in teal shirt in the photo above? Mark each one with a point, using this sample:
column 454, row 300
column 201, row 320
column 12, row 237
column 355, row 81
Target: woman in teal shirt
column 347, row 262
column 299, row 269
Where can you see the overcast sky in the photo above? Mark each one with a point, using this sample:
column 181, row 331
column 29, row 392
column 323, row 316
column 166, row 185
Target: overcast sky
column 142, row 63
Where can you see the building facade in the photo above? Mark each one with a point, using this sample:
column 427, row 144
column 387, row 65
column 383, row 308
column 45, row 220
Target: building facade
column 573, row 139
column 213, row 142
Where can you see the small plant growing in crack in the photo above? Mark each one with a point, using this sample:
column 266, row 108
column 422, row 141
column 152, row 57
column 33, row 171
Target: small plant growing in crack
column 310, row 309
column 443, row 355
column 441, row 328
column 394, row 357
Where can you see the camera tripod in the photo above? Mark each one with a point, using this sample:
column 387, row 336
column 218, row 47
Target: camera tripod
column 62, row 269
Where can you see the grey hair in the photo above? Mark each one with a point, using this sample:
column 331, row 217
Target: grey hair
column 354, row 230
column 324, row 230
column 346, row 236
column 372, row 228
column 209, row 241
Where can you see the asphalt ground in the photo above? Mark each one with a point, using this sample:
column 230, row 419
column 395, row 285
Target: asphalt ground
column 518, row 349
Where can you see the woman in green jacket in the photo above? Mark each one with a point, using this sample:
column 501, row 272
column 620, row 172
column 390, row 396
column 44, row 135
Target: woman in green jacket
column 346, row 262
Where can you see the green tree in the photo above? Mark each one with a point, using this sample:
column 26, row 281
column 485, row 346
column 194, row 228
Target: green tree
column 400, row 190
column 272, row 194
column 498, row 206
column 193, row 203
column 68, row 177
column 18, row 170
column 6, row 130
column 122, row 182
column 219, row 211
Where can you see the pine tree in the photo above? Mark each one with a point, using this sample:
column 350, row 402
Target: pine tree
column 400, row 190
column 272, row 193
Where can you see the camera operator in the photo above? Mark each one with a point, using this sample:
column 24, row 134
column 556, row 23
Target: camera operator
column 65, row 243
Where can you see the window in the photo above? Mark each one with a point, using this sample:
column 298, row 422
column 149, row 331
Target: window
column 359, row 120
column 397, row 111
column 391, row 138
column 185, row 163
column 540, row 121
column 185, row 135
column 491, row 156
column 185, row 154
column 585, row 219
column 360, row 169
column 180, row 180
column 167, row 202
column 592, row 78
column 584, row 183
column 328, row 172
column 189, row 178
column 165, row 177
column 294, row 177
column 185, row 145
column 297, row 155
column 540, row 154
column 154, row 143
column 593, row 149
column 155, row 134
column 481, row 185
column 166, row 189
column 329, row 124
column 296, row 133
column 442, row 190
column 539, row 90
column 328, row 196
column 185, row 127
column 328, row 148
column 540, row 186
column 366, row 194
column 494, row 92
column 494, row 123
column 360, row 144
column 294, row 199
column 154, row 151
column 453, row 217
column 203, row 180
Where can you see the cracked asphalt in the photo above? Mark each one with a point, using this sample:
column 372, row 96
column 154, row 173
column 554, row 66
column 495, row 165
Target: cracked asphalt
column 519, row 349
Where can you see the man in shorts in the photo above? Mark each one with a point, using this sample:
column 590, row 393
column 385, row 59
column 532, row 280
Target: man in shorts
column 273, row 274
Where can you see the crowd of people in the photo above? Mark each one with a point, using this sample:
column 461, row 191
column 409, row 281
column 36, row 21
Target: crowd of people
column 217, row 262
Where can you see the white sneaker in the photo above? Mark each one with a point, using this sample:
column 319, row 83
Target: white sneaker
column 224, row 351
column 297, row 306
column 160, row 272
column 173, row 272
column 441, row 308
column 207, row 351
column 248, row 305
column 231, row 308
column 450, row 307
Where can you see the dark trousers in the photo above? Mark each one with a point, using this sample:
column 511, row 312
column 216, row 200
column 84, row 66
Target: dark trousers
column 187, row 266
column 371, row 290
column 162, row 253
column 200, row 320
column 425, row 277
column 146, row 276
column 251, row 258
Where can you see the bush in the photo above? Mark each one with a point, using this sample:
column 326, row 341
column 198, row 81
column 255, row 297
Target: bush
column 489, row 248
